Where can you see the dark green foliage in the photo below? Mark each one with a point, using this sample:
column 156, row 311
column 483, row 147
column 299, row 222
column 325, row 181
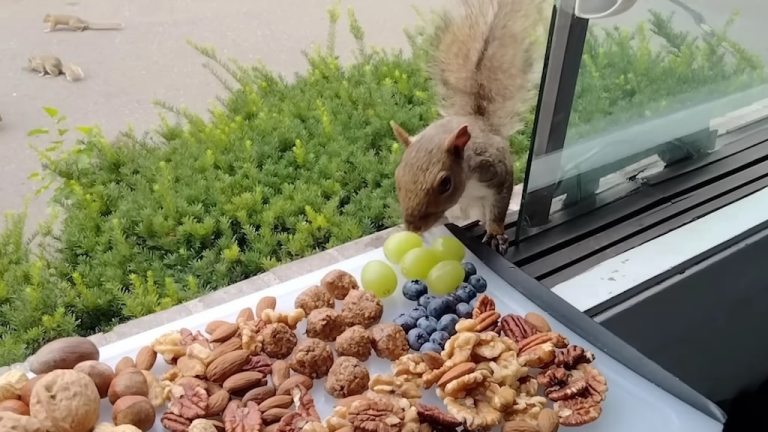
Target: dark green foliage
column 281, row 170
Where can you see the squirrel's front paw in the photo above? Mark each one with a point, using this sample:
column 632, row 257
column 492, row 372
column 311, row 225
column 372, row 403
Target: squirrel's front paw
column 499, row 242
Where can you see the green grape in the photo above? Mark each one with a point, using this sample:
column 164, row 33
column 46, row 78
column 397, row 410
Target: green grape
column 379, row 278
column 417, row 262
column 449, row 248
column 445, row 277
column 399, row 243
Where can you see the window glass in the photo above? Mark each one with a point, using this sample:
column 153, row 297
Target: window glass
column 664, row 82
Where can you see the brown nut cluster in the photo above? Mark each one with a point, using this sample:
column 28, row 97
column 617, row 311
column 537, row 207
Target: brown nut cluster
column 325, row 324
column 361, row 308
column 314, row 297
column 339, row 283
column 312, row 358
column 389, row 341
column 347, row 377
column 354, row 342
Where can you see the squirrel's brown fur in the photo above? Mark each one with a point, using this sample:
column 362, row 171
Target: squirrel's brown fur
column 484, row 64
column 76, row 23
column 50, row 65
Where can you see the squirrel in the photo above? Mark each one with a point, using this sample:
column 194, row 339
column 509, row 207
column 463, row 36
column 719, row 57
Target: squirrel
column 76, row 23
column 484, row 67
column 50, row 65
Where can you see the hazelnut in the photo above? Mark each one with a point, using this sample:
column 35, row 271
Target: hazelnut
column 26, row 390
column 129, row 382
column 101, row 374
column 14, row 406
column 65, row 401
column 134, row 410
column 123, row 364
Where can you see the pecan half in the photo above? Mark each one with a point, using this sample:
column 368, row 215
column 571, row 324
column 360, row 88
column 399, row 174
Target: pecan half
column 516, row 328
column 577, row 411
column 436, row 417
column 484, row 304
column 552, row 377
column 570, row 390
column 242, row 418
column 259, row 363
column 188, row 401
column 174, row 423
column 556, row 339
column 572, row 356
column 487, row 320
column 596, row 382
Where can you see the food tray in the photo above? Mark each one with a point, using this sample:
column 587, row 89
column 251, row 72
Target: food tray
column 632, row 404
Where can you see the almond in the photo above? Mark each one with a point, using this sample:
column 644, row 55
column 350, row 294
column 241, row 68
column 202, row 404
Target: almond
column 274, row 415
column 123, row 364
column 224, row 332
column 279, row 401
column 294, row 381
column 214, row 325
column 145, row 359
column 281, row 371
column 548, row 420
column 265, row 303
column 217, row 402
column 457, row 371
column 242, row 381
column 274, row 426
column 259, row 394
column 227, row 347
column 227, row 365
column 246, row 314
column 538, row 321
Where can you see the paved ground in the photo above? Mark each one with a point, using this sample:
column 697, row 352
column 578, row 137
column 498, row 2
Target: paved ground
column 149, row 59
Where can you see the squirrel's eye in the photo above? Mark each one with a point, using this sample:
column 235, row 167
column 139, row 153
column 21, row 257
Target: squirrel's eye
column 445, row 185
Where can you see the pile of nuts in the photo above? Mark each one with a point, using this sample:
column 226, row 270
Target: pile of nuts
column 254, row 375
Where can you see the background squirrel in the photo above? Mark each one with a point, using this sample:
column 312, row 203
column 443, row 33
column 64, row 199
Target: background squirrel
column 486, row 62
column 50, row 65
column 76, row 23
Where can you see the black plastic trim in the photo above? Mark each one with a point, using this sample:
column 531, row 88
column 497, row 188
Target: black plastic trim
column 587, row 328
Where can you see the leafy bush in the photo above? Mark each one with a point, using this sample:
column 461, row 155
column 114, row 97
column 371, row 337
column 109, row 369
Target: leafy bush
column 279, row 171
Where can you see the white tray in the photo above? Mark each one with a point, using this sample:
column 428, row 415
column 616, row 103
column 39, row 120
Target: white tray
column 632, row 404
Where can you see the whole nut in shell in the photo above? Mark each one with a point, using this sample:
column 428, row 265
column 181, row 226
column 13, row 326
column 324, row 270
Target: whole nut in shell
column 66, row 401
column 134, row 410
column 14, row 406
column 123, row 364
column 109, row 427
column 12, row 422
column 130, row 382
column 26, row 390
column 101, row 374
column 62, row 353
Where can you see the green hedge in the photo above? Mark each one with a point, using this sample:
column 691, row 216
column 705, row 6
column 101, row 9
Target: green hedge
column 281, row 170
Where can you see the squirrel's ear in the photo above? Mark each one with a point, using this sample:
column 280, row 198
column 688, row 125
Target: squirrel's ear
column 458, row 140
column 402, row 136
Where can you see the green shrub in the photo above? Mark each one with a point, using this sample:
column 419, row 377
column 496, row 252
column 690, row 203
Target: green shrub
column 279, row 171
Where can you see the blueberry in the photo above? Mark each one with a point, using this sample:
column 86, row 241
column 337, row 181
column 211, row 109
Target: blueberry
column 439, row 307
column 448, row 324
column 469, row 270
column 417, row 313
column 428, row 324
column 413, row 289
column 452, row 300
column 405, row 321
column 429, row 346
column 463, row 310
column 478, row 283
column 439, row 338
column 465, row 293
column 416, row 338
column 425, row 299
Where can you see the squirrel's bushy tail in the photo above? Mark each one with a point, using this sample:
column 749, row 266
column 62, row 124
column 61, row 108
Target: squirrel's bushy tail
column 488, row 58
